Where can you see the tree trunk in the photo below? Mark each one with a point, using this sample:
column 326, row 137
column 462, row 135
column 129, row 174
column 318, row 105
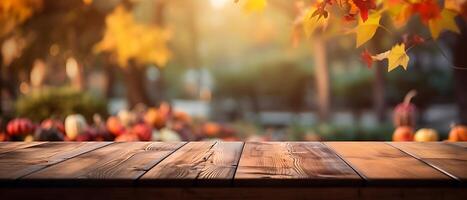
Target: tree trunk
column 159, row 84
column 460, row 75
column 135, row 85
column 379, row 102
column 322, row 78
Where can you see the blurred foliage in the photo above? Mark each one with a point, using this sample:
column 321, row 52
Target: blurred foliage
column 15, row 12
column 128, row 39
column 58, row 103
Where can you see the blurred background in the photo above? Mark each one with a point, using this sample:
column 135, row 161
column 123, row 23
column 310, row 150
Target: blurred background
column 172, row 70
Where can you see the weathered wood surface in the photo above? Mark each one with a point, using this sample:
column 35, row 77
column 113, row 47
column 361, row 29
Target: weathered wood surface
column 450, row 159
column 197, row 163
column 237, row 164
column 115, row 162
column 297, row 163
column 11, row 146
column 21, row 162
column 381, row 163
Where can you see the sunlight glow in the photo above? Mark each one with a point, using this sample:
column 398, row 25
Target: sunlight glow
column 218, row 4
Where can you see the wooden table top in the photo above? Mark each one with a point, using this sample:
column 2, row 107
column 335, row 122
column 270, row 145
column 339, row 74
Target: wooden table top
column 231, row 164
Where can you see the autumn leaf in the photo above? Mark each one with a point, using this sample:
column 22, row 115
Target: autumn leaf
column 444, row 22
column 366, row 30
column 397, row 57
column 311, row 22
column 367, row 58
column 364, row 6
column 427, row 9
column 399, row 10
column 250, row 6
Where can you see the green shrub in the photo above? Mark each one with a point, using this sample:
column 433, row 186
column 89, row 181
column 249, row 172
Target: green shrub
column 58, row 102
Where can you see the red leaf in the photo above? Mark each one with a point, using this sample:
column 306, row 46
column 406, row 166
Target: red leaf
column 364, row 6
column 427, row 9
column 366, row 57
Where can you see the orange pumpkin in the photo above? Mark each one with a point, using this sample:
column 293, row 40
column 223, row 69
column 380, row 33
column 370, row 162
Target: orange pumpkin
column 403, row 133
column 114, row 126
column 211, row 129
column 143, row 131
column 458, row 133
column 154, row 118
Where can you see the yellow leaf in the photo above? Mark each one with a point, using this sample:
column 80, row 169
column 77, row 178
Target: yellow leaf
column 445, row 22
column 250, row 6
column 366, row 30
column 397, row 57
column 310, row 24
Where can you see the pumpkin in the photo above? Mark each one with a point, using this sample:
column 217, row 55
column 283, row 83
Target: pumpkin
column 114, row 126
column 426, row 135
column 50, row 134
column 403, row 133
column 404, row 113
column 126, row 118
column 181, row 116
column 211, row 129
column 154, row 118
column 458, row 133
column 143, row 131
column 74, row 126
column 53, row 123
column 20, row 127
column 167, row 135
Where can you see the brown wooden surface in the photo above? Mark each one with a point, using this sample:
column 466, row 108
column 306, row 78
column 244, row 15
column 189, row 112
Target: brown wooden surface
column 227, row 164
column 292, row 163
column 11, row 146
column 118, row 161
column 380, row 163
column 197, row 163
column 450, row 159
column 21, row 162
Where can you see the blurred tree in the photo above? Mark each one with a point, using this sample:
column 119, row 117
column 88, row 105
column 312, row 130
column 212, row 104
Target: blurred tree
column 134, row 44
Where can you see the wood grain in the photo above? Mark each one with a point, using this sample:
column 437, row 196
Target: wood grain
column 461, row 144
column 21, row 162
column 382, row 164
column 11, row 146
column 117, row 163
column 197, row 163
column 448, row 158
column 292, row 163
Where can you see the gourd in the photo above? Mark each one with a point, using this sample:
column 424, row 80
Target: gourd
column 426, row 135
column 74, row 126
column 20, row 127
column 458, row 133
column 403, row 133
column 143, row 131
column 404, row 113
column 114, row 126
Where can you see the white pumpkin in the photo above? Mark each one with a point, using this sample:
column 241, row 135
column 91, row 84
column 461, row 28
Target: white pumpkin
column 167, row 135
column 126, row 117
column 74, row 125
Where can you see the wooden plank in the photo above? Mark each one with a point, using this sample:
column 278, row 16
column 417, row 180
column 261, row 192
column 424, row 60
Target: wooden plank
column 118, row 163
column 382, row 164
column 450, row 159
column 11, row 146
column 197, row 163
column 21, row 162
column 461, row 144
column 292, row 163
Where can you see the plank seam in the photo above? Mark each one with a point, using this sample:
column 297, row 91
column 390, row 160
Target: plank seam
column 232, row 182
column 425, row 162
column 47, row 166
column 146, row 171
column 355, row 169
